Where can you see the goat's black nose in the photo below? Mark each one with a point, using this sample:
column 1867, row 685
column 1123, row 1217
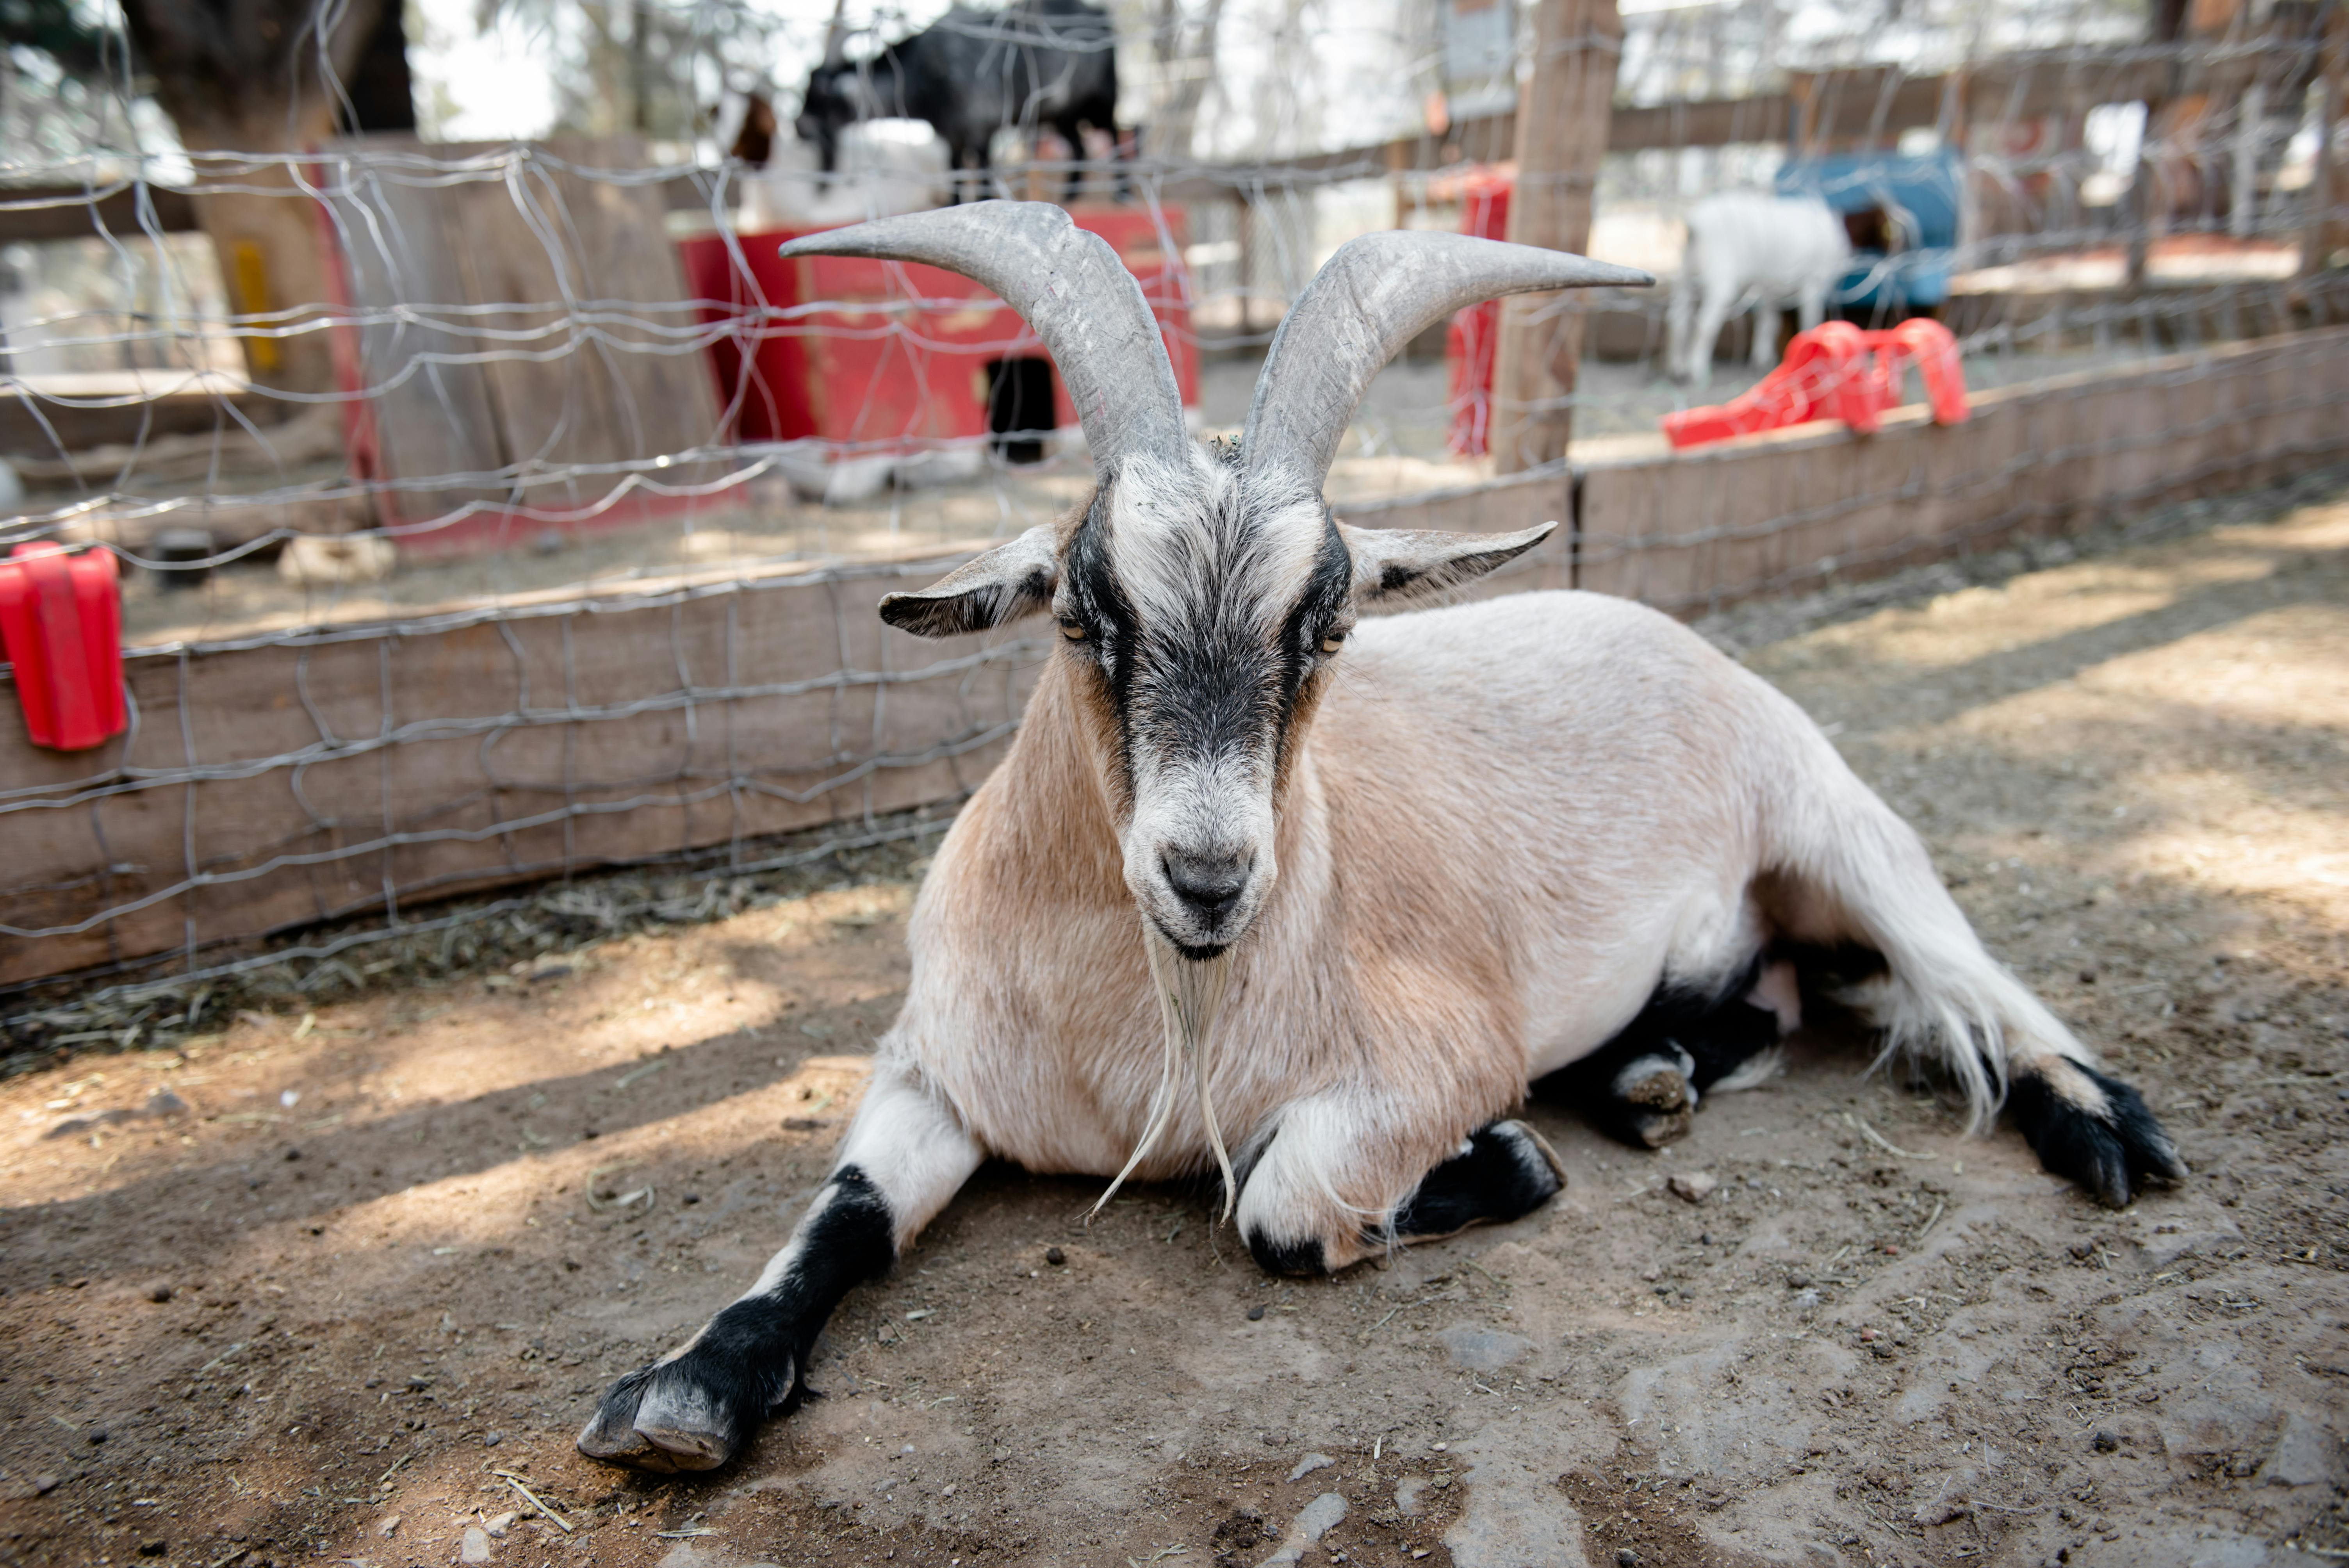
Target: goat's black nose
column 1210, row 884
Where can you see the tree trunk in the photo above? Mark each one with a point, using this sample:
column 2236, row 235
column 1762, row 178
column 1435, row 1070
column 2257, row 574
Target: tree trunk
column 1563, row 118
column 381, row 92
column 247, row 79
column 1190, row 57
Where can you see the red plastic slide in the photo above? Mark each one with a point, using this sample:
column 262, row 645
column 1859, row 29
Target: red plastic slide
column 1837, row 371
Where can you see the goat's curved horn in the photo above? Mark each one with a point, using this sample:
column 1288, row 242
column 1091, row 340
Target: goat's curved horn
column 1073, row 291
column 1377, row 293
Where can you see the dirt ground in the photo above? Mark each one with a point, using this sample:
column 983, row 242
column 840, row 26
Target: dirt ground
column 342, row 1283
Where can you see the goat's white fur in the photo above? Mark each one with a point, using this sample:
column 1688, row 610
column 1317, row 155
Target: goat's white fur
column 1747, row 249
column 1510, row 823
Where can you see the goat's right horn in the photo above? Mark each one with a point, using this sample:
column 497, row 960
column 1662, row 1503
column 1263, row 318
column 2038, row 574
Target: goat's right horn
column 1377, row 293
column 1073, row 291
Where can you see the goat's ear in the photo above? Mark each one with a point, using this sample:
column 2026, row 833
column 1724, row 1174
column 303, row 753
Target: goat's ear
column 1007, row 582
column 1393, row 566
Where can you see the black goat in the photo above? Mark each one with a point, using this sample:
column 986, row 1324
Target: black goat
column 971, row 73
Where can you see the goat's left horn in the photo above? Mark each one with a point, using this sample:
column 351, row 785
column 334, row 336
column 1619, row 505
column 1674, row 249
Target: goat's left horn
column 1071, row 289
column 1377, row 293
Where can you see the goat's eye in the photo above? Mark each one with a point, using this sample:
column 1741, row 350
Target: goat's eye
column 1332, row 641
column 1073, row 631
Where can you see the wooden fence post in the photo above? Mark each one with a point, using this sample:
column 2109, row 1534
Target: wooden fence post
column 1562, row 123
column 2326, row 231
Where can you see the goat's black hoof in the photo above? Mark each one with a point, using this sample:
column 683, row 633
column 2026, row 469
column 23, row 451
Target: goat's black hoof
column 692, row 1412
column 1652, row 1101
column 2092, row 1130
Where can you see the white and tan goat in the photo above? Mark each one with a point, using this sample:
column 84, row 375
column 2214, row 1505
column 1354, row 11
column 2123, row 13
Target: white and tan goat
column 1358, row 879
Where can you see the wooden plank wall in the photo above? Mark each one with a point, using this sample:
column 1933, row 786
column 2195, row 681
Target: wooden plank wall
column 479, row 751
column 471, row 750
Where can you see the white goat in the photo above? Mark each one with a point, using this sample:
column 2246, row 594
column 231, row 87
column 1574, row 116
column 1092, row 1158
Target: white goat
column 1748, row 249
column 1365, row 881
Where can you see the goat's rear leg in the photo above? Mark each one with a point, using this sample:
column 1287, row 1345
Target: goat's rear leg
column 694, row 1407
column 1643, row 1086
column 1345, row 1174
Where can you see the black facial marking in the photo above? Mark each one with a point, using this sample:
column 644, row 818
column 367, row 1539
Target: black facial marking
column 1097, row 602
column 2110, row 1155
column 1502, row 1176
column 1212, row 684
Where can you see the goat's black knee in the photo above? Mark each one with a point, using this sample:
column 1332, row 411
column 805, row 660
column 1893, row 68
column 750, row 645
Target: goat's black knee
column 1501, row 1173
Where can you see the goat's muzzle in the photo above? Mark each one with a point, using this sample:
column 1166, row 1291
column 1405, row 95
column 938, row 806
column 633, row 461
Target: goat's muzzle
column 1209, row 890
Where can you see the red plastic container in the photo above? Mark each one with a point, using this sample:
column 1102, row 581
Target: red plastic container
column 61, row 624
column 880, row 369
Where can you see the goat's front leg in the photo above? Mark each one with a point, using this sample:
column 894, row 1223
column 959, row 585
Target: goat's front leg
column 1345, row 1176
column 694, row 1407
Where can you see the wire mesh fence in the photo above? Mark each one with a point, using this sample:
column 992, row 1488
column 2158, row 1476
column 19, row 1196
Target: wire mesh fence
column 491, row 511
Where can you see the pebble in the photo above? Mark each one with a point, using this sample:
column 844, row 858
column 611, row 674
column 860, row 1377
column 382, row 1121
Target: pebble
column 1055, row 1257
column 1798, row 1281
column 159, row 1292
column 2105, row 1443
column 387, row 1527
column 45, row 1485
column 1626, row 1558
column 1695, row 1186
column 1256, row 1313
column 476, row 1547
column 492, row 1440
column 1308, row 1464
column 1868, row 1336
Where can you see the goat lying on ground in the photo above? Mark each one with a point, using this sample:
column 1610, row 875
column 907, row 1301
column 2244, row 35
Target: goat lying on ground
column 1745, row 248
column 1369, row 876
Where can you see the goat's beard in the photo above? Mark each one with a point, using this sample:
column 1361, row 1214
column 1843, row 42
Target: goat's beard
column 1190, row 996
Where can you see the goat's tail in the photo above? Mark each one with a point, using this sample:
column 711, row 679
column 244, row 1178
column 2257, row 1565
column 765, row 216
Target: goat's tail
column 1846, row 871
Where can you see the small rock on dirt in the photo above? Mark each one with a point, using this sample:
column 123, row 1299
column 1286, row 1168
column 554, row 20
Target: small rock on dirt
column 2105, row 1443
column 1314, row 1520
column 1055, row 1257
column 387, row 1527
column 1695, row 1186
column 499, row 1526
column 159, row 1292
column 1308, row 1464
column 476, row 1547
column 1256, row 1313
column 1482, row 1349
